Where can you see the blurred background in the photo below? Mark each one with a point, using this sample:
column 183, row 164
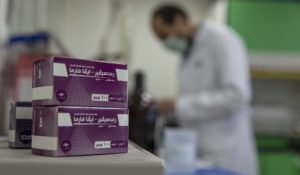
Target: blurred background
column 120, row 30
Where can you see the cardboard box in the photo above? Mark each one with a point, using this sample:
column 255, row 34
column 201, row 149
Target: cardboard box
column 20, row 125
column 74, row 82
column 70, row 131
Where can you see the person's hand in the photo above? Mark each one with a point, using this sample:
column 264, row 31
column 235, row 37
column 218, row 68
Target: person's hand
column 166, row 105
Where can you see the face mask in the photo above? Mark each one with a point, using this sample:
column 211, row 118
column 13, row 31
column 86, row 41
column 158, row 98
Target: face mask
column 176, row 44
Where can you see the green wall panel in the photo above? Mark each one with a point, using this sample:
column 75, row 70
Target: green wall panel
column 278, row 163
column 267, row 25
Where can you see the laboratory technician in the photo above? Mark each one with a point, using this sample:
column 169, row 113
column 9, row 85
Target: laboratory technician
column 214, row 89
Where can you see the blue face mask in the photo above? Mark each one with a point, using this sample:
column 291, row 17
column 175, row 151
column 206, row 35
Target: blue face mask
column 176, row 44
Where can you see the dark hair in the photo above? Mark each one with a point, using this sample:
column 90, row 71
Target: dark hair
column 168, row 13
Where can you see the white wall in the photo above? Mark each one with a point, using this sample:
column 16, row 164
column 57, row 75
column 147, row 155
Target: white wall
column 80, row 23
column 3, row 26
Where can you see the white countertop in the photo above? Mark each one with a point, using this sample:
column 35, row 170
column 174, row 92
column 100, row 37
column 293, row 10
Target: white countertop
column 22, row 162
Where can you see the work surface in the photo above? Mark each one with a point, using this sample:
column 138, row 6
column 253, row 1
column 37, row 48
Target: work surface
column 21, row 161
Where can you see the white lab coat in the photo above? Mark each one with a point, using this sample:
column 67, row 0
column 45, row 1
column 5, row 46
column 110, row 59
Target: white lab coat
column 214, row 98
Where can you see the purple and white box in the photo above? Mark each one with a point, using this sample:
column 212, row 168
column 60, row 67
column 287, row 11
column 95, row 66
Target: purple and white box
column 20, row 125
column 76, row 82
column 73, row 131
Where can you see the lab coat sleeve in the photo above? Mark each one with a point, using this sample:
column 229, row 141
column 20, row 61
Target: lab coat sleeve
column 234, row 92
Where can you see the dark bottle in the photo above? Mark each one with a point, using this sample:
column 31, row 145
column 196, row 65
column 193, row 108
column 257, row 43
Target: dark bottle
column 142, row 115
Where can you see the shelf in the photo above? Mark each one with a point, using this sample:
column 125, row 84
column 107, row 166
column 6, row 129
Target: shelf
column 284, row 66
column 135, row 162
column 277, row 75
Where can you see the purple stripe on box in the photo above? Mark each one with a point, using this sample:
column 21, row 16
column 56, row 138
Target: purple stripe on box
column 44, row 121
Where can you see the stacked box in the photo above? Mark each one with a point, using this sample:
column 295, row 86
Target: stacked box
column 65, row 130
column 20, row 125
column 80, row 107
column 74, row 82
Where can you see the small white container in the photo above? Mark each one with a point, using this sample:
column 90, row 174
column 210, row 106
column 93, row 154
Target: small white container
column 180, row 150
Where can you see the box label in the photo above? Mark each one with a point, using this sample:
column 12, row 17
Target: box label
column 100, row 97
column 110, row 144
column 102, row 144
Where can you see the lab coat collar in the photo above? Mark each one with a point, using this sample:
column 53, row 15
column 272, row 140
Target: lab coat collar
column 195, row 40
